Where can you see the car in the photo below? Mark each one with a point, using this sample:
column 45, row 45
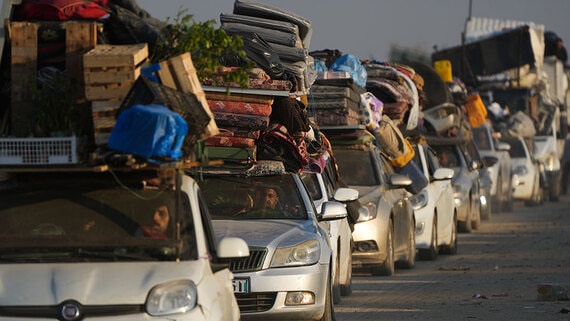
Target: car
column 465, row 181
column 546, row 151
column 384, row 234
column 434, row 207
column 324, row 187
column 128, row 245
column 500, row 172
column 526, row 172
column 485, row 181
column 288, row 274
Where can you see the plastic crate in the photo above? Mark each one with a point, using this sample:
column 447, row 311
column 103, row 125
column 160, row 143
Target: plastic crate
column 38, row 151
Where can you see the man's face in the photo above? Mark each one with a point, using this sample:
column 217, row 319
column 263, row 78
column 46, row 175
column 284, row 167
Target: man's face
column 161, row 218
column 271, row 198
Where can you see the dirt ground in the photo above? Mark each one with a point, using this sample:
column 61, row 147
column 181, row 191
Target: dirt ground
column 494, row 276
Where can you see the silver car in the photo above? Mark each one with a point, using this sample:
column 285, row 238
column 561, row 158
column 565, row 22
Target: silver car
column 384, row 233
column 288, row 273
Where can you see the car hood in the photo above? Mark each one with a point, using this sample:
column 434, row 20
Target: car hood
column 108, row 283
column 267, row 233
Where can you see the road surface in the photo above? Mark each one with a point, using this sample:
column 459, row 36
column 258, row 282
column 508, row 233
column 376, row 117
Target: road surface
column 494, row 276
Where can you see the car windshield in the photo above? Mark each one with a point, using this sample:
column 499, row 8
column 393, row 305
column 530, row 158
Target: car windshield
column 64, row 217
column 246, row 198
column 447, row 156
column 356, row 167
column 481, row 138
column 517, row 148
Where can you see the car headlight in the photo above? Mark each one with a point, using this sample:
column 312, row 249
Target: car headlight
column 549, row 162
column 172, row 298
column 520, row 170
column 367, row 212
column 419, row 200
column 306, row 253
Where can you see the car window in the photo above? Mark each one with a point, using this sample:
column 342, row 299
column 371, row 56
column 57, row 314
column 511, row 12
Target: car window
column 482, row 138
column 357, row 167
column 465, row 153
column 138, row 211
column 329, row 185
column 433, row 163
column 312, row 184
column 447, row 155
column 517, row 148
column 243, row 198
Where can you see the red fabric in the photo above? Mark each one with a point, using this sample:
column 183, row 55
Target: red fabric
column 61, row 10
column 239, row 107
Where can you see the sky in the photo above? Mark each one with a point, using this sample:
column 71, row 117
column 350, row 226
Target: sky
column 367, row 28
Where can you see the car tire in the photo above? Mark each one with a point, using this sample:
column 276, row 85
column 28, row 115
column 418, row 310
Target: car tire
column 465, row 226
column 431, row 253
column 508, row 203
column 476, row 223
column 451, row 248
column 336, row 282
column 346, row 289
column 536, row 195
column 328, row 314
column 387, row 267
column 410, row 260
column 554, row 195
column 499, row 199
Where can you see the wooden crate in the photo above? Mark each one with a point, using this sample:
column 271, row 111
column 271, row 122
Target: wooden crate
column 103, row 113
column 111, row 70
column 179, row 73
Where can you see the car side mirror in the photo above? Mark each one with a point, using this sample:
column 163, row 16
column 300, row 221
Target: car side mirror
column 232, row 247
column 346, row 194
column 473, row 165
column 398, row 180
column 332, row 210
column 443, row 173
column 489, row 161
column 503, row 147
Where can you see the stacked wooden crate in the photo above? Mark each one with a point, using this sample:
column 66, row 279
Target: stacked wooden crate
column 110, row 71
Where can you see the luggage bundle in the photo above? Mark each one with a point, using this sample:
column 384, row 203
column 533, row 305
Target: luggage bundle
column 272, row 32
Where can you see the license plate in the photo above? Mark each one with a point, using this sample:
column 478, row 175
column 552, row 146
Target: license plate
column 241, row 285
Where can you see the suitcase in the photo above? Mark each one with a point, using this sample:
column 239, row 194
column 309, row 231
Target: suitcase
column 252, row 122
column 239, row 108
column 335, row 104
column 333, row 92
column 228, row 131
column 395, row 111
column 336, row 117
column 228, row 141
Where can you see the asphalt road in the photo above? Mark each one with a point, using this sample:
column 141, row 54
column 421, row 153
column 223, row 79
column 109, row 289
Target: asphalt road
column 494, row 276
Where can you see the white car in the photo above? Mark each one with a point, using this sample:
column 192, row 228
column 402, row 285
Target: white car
column 323, row 188
column 434, row 207
column 288, row 274
column 111, row 246
column 526, row 176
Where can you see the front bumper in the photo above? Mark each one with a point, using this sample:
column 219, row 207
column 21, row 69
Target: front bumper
column 523, row 190
column 279, row 281
column 369, row 242
column 424, row 226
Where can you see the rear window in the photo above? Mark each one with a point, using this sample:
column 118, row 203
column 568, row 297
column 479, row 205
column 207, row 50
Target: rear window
column 243, row 198
column 517, row 148
column 356, row 167
column 447, row 156
column 482, row 138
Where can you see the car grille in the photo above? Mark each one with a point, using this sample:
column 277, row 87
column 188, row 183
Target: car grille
column 255, row 302
column 253, row 262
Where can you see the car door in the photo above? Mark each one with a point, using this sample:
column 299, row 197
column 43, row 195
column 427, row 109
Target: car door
column 445, row 203
column 402, row 216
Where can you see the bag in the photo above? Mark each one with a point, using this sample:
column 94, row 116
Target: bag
column 476, row 111
column 61, row 10
column 419, row 180
column 351, row 64
column 149, row 131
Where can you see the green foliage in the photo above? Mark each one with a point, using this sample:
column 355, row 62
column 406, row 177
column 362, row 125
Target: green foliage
column 55, row 114
column 204, row 43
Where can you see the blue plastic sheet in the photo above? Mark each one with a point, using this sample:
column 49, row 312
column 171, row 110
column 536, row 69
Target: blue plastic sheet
column 148, row 131
column 350, row 63
column 320, row 65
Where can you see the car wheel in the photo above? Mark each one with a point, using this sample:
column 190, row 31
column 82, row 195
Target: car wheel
column 535, row 197
column 451, row 248
column 410, row 261
column 346, row 289
column 328, row 314
column 431, row 253
column 465, row 226
column 387, row 268
column 507, row 205
column 554, row 195
column 499, row 199
column 336, row 282
column 476, row 223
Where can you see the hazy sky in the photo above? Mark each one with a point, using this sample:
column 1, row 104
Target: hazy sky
column 366, row 28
